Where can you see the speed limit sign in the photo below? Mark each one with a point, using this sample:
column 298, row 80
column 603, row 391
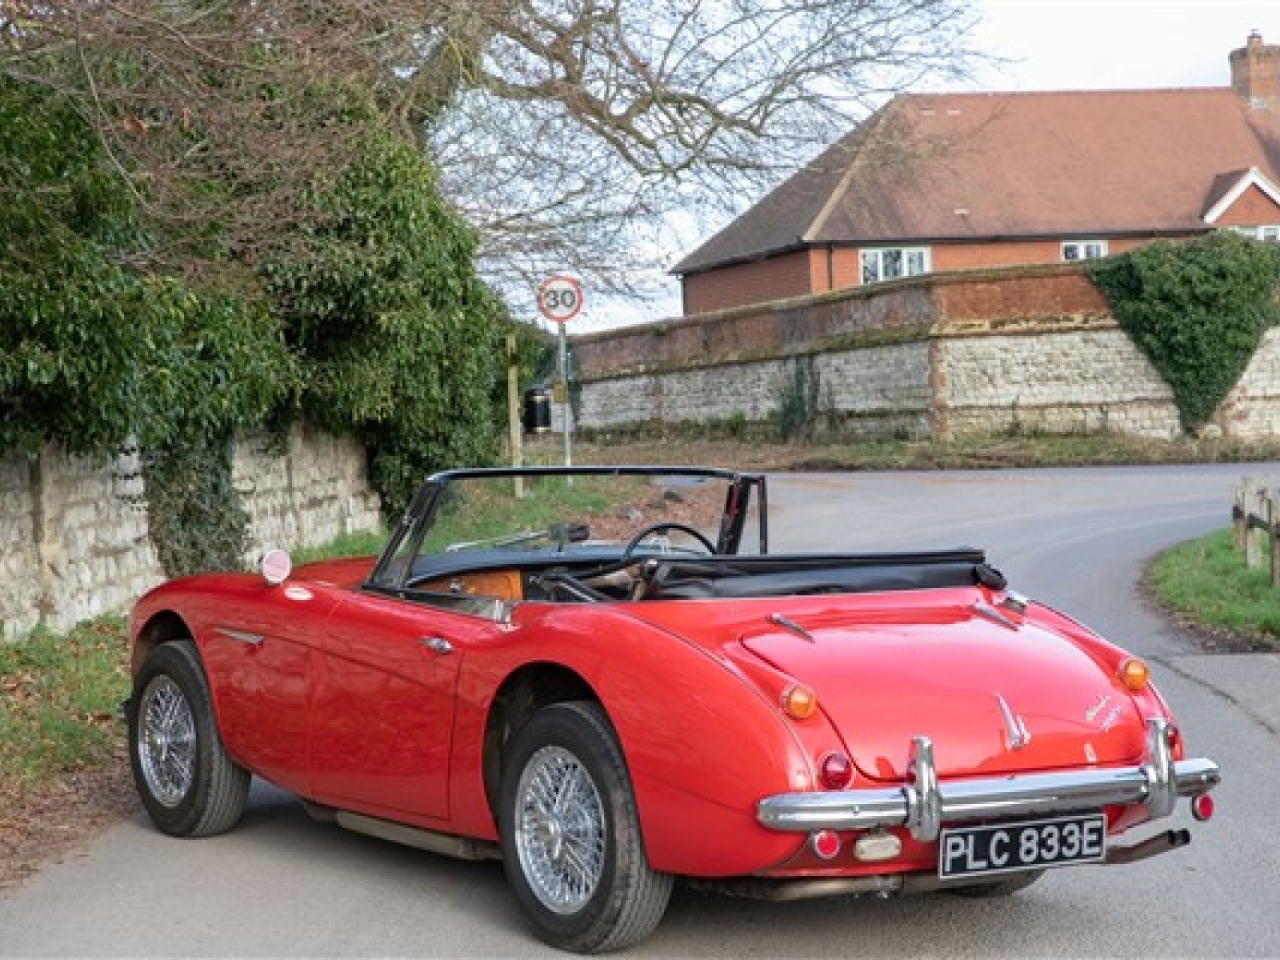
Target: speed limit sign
column 560, row 298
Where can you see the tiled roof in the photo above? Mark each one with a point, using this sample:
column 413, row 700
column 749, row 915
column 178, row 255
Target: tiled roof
column 976, row 166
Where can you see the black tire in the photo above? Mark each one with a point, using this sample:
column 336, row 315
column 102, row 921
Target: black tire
column 580, row 871
column 999, row 888
column 188, row 784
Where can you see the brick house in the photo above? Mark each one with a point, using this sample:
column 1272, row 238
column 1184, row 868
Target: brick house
column 941, row 182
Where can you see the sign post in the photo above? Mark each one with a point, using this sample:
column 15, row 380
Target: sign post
column 513, row 411
column 560, row 300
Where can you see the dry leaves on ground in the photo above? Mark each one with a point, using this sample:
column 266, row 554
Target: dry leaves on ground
column 38, row 828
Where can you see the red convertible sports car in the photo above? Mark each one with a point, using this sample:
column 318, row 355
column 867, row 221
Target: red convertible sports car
column 602, row 677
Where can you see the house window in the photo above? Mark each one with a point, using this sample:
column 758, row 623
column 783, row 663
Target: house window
column 1084, row 250
column 889, row 263
column 1267, row 234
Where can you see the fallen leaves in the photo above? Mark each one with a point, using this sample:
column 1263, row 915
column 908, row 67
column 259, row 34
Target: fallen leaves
column 39, row 826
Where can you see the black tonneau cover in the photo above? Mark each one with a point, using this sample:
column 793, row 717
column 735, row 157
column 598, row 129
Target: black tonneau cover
column 743, row 577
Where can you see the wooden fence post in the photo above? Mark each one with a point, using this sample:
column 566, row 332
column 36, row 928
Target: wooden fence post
column 1255, row 536
column 1240, row 513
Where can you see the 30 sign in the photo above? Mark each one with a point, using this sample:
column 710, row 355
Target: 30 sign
column 560, row 298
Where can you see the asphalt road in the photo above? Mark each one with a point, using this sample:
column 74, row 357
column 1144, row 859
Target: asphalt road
column 280, row 885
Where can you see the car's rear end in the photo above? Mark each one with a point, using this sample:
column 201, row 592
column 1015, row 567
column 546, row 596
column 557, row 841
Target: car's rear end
column 957, row 737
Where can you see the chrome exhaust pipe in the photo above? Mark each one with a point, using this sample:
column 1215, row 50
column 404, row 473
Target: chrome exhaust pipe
column 1151, row 847
column 785, row 891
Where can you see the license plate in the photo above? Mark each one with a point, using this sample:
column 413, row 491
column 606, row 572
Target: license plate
column 1031, row 845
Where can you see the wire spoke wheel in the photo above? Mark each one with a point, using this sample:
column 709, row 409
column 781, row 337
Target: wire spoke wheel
column 560, row 833
column 186, row 781
column 166, row 741
column 573, row 850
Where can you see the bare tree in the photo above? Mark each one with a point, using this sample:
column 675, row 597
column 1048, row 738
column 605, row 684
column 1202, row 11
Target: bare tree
column 577, row 125
column 563, row 129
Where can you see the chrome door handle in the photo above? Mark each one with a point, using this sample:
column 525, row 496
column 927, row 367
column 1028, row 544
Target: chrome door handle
column 437, row 645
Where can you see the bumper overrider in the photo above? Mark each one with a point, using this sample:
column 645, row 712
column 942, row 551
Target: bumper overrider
column 924, row 804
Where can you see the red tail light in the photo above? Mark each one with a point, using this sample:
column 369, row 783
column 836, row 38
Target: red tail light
column 835, row 771
column 1202, row 807
column 825, row 844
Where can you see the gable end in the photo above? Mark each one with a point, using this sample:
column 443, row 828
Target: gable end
column 1252, row 179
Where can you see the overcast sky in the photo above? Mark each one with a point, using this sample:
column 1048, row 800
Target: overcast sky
column 1107, row 44
column 1064, row 45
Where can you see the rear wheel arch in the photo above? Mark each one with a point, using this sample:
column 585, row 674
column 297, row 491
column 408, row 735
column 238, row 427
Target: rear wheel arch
column 520, row 696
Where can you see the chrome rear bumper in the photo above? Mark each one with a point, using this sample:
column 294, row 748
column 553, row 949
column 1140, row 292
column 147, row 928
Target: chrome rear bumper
column 924, row 804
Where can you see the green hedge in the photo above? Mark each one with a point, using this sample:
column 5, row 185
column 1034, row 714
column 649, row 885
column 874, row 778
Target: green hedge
column 370, row 319
column 1197, row 309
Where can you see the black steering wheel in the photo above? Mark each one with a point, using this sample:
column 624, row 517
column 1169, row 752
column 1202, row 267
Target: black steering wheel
column 657, row 528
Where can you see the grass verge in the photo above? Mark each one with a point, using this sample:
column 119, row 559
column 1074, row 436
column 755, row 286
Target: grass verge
column 965, row 453
column 1205, row 584
column 59, row 695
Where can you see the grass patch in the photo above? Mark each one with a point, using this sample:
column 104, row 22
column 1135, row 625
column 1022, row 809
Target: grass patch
column 58, row 699
column 1206, row 584
column 483, row 509
column 364, row 543
column 964, row 453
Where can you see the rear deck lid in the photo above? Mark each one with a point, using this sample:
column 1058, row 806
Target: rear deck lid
column 995, row 695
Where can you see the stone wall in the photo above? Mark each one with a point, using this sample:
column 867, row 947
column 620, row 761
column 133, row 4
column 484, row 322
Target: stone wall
column 1048, row 377
column 885, row 384
column 310, row 491
column 74, row 533
column 1022, row 348
column 1252, row 409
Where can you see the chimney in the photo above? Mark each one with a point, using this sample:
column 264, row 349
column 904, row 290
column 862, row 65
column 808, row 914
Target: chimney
column 1255, row 73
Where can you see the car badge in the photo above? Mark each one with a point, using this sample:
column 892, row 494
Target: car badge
column 1091, row 714
column 1017, row 734
column 1111, row 719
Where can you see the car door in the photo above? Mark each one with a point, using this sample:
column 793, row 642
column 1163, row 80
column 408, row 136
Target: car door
column 257, row 647
column 383, row 704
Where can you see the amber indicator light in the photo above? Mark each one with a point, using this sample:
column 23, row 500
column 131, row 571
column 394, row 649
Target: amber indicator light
column 1134, row 674
column 799, row 702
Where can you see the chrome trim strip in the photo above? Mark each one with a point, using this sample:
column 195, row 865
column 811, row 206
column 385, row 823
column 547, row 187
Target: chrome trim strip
column 787, row 623
column 994, row 615
column 925, row 804
column 241, row 636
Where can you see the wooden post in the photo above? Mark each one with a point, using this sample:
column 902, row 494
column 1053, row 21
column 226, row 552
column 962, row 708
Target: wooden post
column 1273, row 534
column 1255, row 537
column 1240, row 513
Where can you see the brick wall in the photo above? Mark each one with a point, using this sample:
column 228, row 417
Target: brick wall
column 787, row 275
column 946, row 354
column 823, row 269
column 977, row 256
column 74, row 533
